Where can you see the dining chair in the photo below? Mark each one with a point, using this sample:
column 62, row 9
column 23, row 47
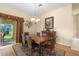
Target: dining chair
column 38, row 33
column 32, row 47
column 24, row 43
column 44, row 33
column 51, row 46
column 48, row 47
column 29, row 44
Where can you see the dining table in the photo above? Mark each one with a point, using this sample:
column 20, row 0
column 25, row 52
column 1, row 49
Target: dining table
column 39, row 40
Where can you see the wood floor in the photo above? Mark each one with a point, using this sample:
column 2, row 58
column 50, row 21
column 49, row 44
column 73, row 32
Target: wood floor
column 68, row 51
column 8, row 50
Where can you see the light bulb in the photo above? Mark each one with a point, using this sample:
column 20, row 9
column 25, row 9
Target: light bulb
column 32, row 19
column 37, row 20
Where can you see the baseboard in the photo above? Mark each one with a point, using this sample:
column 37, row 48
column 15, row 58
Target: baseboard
column 63, row 44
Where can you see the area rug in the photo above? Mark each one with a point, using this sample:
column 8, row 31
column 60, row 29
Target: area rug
column 24, row 51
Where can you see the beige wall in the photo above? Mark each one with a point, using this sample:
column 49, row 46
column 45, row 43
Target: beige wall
column 12, row 11
column 63, row 24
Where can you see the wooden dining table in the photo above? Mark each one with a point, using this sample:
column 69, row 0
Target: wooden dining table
column 39, row 40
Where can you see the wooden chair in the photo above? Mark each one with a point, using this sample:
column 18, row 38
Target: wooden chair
column 49, row 45
column 38, row 33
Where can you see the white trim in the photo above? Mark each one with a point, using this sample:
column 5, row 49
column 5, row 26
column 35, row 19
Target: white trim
column 63, row 44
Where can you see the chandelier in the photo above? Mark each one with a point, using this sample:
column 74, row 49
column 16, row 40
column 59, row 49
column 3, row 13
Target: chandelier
column 33, row 20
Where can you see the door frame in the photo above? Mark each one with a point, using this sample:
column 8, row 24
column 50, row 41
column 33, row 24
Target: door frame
column 19, row 24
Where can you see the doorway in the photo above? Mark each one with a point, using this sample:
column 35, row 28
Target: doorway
column 11, row 28
column 8, row 29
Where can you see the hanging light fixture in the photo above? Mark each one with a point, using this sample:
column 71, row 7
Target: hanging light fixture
column 32, row 19
column 35, row 19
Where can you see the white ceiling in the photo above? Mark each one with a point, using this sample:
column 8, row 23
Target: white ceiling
column 33, row 9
